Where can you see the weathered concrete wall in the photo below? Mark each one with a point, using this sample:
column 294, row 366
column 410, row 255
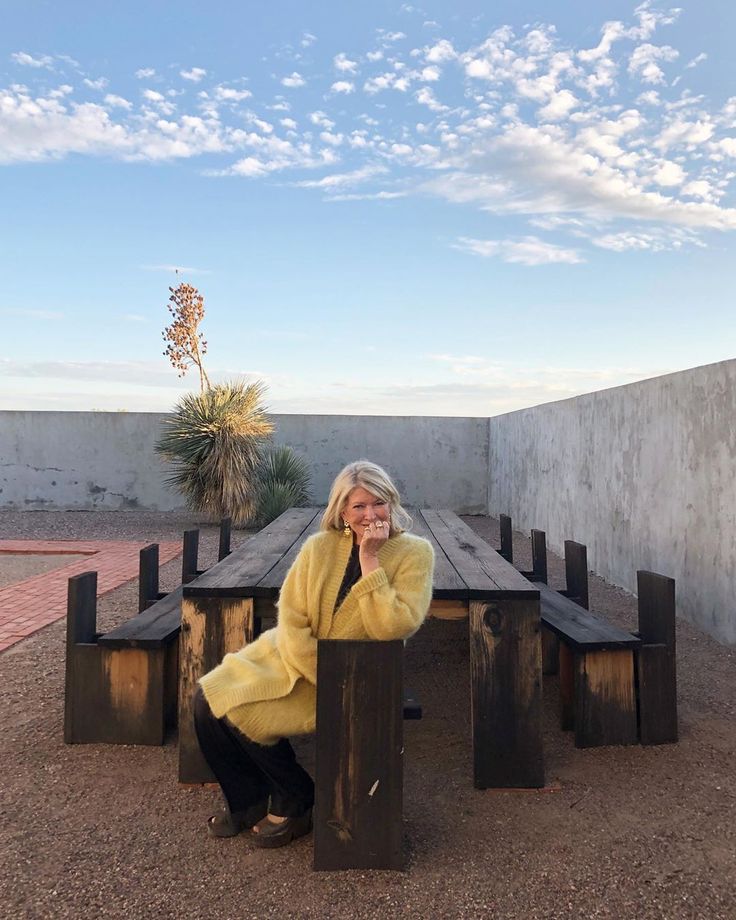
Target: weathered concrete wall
column 644, row 474
column 106, row 460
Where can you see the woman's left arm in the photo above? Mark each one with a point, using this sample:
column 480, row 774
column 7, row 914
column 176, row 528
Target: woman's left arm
column 396, row 609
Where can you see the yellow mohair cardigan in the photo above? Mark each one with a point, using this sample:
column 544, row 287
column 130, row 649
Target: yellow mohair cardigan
column 268, row 689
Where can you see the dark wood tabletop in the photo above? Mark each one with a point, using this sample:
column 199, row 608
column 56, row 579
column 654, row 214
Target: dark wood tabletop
column 466, row 567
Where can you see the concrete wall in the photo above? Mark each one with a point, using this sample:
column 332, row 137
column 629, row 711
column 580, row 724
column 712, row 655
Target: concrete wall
column 644, row 474
column 104, row 460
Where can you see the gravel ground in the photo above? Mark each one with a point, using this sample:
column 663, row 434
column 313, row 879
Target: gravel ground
column 105, row 831
column 14, row 567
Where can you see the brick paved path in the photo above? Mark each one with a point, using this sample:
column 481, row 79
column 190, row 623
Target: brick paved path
column 29, row 605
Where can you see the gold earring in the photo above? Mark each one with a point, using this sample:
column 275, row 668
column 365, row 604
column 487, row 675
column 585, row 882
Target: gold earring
column 346, row 529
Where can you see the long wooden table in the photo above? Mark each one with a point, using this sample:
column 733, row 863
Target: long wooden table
column 220, row 607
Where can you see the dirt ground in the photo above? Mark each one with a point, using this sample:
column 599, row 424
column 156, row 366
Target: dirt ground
column 105, row 831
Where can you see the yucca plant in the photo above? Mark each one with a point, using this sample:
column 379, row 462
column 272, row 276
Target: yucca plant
column 213, row 439
column 283, row 482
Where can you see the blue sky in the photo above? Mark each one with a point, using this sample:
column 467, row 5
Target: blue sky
column 430, row 208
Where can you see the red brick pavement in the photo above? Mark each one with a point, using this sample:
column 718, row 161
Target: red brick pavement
column 29, row 605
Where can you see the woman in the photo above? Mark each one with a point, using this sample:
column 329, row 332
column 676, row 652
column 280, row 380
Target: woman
column 361, row 577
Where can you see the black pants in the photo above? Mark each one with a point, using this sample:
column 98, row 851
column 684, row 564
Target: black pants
column 253, row 777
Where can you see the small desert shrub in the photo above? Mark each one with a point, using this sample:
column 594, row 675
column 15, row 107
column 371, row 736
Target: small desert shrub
column 283, row 482
column 213, row 441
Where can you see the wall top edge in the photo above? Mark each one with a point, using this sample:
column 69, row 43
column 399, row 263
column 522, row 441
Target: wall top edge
column 729, row 365
column 276, row 415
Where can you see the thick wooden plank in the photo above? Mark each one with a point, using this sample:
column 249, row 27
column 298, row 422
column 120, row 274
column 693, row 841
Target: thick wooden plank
column 576, row 572
column 148, row 576
column 483, row 570
column 567, row 688
column 211, row 627
column 656, row 659
column 577, row 626
column 446, row 583
column 358, row 807
column 225, row 531
column 238, row 574
column 82, row 676
column 154, row 628
column 190, row 556
column 271, row 583
column 539, row 555
column 507, row 539
column 605, row 702
column 448, row 610
column 506, row 694
column 550, row 651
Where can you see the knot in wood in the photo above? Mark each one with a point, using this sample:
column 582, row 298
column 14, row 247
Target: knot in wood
column 492, row 620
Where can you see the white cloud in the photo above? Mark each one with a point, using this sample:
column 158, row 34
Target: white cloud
column 320, row 118
column 368, row 196
column 669, row 173
column 308, row 39
column 340, row 180
column 440, row 52
column 559, row 106
column 117, row 102
column 344, row 64
column 27, row 60
column 528, row 251
column 696, row 60
column 229, row 94
column 644, row 59
column 430, row 74
column 194, row 75
column 289, row 123
column 145, row 72
column 293, row 81
column 374, row 56
column 100, row 83
column 342, row 86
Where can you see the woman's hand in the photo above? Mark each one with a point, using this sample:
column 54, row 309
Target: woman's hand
column 374, row 536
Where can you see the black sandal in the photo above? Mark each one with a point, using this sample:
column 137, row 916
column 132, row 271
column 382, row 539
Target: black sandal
column 271, row 835
column 230, row 824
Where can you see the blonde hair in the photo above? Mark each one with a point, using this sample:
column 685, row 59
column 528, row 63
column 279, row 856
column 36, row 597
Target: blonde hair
column 374, row 479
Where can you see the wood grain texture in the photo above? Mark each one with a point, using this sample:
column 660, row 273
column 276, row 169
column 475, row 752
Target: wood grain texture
column 605, row 701
column 448, row 610
column 148, row 576
column 211, row 627
column 567, row 688
column 359, row 767
column 506, row 694
column 81, row 677
column 657, row 659
column 507, row 537
column 483, row 570
column 550, row 651
column 447, row 584
column 239, row 574
column 576, row 572
column 579, row 627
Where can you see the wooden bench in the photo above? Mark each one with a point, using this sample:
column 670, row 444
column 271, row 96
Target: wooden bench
column 616, row 687
column 121, row 686
column 358, row 818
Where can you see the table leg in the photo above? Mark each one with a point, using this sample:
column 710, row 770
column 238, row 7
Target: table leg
column 506, row 694
column 210, row 627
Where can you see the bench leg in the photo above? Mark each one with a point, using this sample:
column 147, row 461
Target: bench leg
column 210, row 628
column 550, row 652
column 605, row 702
column 656, row 659
column 567, row 688
column 359, row 763
column 506, row 694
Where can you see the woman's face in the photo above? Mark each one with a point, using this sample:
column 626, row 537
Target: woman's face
column 363, row 508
